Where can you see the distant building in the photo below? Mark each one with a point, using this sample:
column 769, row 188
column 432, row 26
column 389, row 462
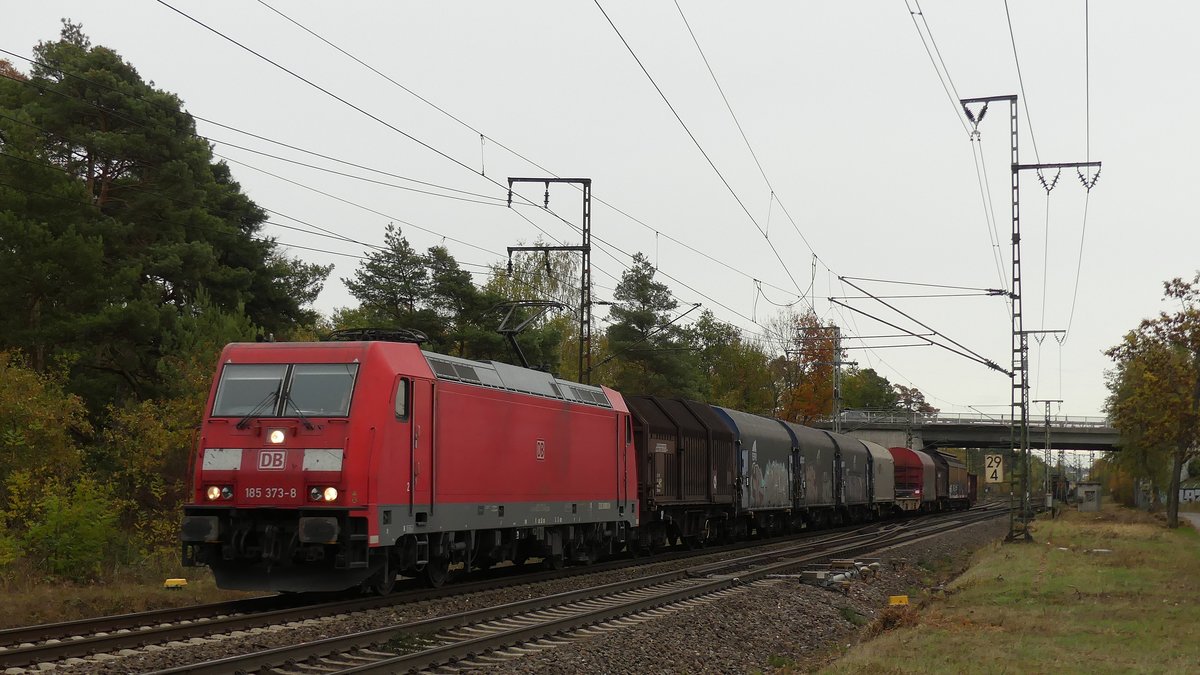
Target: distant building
column 1189, row 491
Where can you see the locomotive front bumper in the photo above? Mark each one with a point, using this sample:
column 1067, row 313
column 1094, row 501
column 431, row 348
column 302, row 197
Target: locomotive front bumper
column 334, row 536
column 309, row 529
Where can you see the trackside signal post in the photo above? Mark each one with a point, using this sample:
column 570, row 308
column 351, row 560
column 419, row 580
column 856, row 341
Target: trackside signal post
column 1019, row 507
column 585, row 279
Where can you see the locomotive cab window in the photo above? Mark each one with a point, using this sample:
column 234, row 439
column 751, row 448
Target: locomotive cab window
column 282, row 390
column 321, row 389
column 249, row 389
column 402, row 399
column 628, row 431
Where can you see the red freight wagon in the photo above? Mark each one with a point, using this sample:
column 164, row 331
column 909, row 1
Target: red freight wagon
column 323, row 466
column 914, row 479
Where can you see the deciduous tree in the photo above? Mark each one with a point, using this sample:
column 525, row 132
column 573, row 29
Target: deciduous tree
column 865, row 389
column 805, row 371
column 735, row 372
column 1154, row 391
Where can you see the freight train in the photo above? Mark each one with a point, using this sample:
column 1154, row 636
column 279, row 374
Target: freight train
column 339, row 464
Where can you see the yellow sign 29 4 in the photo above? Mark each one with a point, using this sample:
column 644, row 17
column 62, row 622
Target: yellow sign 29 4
column 993, row 471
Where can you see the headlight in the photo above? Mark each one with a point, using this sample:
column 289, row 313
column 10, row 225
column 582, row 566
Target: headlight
column 226, row 492
column 276, row 436
column 213, row 492
column 320, row 494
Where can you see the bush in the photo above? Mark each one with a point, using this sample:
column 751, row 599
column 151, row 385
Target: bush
column 76, row 532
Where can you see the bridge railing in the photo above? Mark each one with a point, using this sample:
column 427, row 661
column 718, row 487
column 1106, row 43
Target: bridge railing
column 892, row 417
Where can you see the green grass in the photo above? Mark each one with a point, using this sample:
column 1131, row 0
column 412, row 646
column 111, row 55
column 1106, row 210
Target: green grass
column 1034, row 608
column 30, row 597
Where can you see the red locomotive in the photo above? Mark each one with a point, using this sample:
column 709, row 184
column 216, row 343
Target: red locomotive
column 323, row 466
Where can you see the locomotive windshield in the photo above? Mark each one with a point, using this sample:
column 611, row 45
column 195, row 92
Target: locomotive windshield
column 306, row 389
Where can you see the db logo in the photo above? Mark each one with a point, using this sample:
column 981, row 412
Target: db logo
column 272, row 460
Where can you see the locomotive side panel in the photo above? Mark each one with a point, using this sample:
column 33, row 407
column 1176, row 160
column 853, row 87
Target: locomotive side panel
column 543, row 461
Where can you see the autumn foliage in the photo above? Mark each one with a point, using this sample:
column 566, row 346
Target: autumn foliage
column 1154, row 394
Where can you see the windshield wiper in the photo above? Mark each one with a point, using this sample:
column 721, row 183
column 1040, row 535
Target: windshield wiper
column 287, row 398
column 269, row 399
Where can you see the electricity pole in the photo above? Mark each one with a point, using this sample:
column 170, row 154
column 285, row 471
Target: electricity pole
column 585, row 277
column 837, row 364
column 1046, row 448
column 837, row 378
column 1019, row 513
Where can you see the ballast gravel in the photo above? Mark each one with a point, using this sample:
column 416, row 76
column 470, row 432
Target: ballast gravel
column 758, row 629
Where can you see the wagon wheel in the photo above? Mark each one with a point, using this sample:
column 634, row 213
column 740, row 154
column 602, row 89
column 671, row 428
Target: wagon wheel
column 554, row 561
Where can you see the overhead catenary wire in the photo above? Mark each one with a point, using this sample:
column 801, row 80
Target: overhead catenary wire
column 404, row 222
column 482, row 135
column 979, row 159
column 255, row 168
column 1021, row 83
column 699, row 147
column 1087, row 144
column 990, row 291
column 511, row 150
column 348, row 103
column 774, row 196
column 976, row 355
column 368, row 114
column 266, row 139
column 964, row 354
column 946, row 82
column 136, row 123
column 491, row 269
column 313, row 229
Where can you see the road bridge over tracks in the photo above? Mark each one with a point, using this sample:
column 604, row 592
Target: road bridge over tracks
column 968, row 430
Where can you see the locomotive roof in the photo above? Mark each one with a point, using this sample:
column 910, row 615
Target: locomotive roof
column 514, row 378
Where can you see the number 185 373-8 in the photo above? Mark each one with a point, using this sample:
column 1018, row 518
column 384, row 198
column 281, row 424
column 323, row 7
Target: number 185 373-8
column 270, row 493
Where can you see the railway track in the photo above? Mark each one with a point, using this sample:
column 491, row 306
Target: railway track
column 72, row 642
column 487, row 636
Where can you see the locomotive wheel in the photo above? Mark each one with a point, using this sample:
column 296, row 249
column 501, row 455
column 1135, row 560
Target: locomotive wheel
column 385, row 584
column 383, row 581
column 436, row 572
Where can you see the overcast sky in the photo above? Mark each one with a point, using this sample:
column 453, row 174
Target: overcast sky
column 840, row 101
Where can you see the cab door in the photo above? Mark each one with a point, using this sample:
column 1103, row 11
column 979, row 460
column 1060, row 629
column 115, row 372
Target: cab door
column 422, row 468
